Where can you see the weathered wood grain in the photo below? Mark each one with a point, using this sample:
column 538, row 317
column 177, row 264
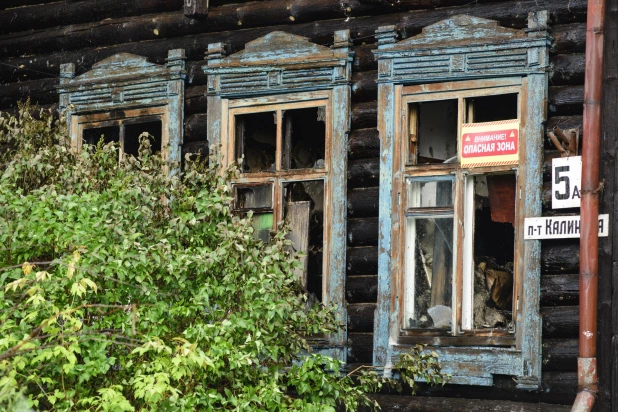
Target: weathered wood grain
column 566, row 100
column 363, row 173
column 569, row 38
column 363, row 231
column 568, row 69
column 360, row 348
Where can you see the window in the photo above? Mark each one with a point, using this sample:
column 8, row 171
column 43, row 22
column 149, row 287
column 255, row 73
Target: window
column 124, row 96
column 285, row 121
column 281, row 151
column 460, row 113
column 434, row 301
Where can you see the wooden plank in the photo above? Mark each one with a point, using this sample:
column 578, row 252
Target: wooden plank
column 297, row 217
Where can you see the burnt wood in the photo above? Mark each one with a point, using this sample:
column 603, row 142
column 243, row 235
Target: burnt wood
column 361, row 289
column 363, row 232
column 569, row 38
column 364, row 86
column 61, row 13
column 364, row 115
column 559, row 290
column 362, row 261
column 568, row 69
column 195, row 127
column 560, row 256
column 364, row 143
column 560, row 355
column 289, row 15
column 360, row 348
column 566, row 100
column 363, row 202
column 363, row 173
column 560, row 322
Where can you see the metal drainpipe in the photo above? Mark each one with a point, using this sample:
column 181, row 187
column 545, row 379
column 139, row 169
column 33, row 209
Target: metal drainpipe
column 589, row 241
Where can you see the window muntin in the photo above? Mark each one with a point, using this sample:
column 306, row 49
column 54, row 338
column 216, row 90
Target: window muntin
column 429, row 233
column 285, row 147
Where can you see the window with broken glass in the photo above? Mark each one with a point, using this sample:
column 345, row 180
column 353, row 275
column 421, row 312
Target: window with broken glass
column 282, row 153
column 457, row 239
column 124, row 130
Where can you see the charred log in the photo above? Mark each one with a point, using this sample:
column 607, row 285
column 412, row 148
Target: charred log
column 364, row 143
column 363, row 232
column 361, row 289
column 560, row 355
column 558, row 290
column 363, row 173
column 363, row 202
column 362, row 261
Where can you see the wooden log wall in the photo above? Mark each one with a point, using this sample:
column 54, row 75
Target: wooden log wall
column 36, row 36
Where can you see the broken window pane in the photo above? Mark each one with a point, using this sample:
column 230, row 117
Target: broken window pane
column 491, row 108
column 256, row 141
column 303, row 138
column 257, row 198
column 108, row 134
column 134, row 130
column 433, row 132
column 303, row 204
column 430, row 193
column 429, row 272
column 494, row 246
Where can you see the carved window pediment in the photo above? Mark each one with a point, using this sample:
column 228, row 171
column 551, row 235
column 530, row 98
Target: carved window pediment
column 135, row 90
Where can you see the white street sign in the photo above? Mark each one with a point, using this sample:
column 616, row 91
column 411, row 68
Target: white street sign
column 559, row 227
column 566, row 182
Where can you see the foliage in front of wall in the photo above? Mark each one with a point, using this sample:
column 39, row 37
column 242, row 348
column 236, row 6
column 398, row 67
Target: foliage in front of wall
column 125, row 288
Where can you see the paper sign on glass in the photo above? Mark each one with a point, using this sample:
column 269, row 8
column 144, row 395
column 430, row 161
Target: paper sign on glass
column 490, row 143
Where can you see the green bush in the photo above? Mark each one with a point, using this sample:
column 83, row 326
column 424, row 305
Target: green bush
column 124, row 288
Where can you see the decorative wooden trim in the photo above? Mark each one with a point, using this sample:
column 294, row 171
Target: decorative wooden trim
column 283, row 70
column 458, row 56
column 126, row 82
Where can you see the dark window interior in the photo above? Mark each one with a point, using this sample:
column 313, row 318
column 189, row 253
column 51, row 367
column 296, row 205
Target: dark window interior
column 133, row 131
column 304, row 138
column 495, row 108
column 108, row 134
column 256, row 140
column 436, row 132
column 304, row 211
column 494, row 245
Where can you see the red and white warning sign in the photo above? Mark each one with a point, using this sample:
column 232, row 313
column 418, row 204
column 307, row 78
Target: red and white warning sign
column 490, row 144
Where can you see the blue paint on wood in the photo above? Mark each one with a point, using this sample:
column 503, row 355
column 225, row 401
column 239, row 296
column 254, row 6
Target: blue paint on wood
column 466, row 48
column 274, row 69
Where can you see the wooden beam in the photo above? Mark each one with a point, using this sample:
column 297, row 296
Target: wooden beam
column 362, row 261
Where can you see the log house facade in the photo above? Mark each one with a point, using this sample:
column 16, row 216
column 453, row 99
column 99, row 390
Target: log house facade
column 38, row 37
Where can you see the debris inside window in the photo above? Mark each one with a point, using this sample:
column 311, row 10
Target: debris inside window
column 134, row 130
column 258, row 199
column 429, row 253
column 256, row 141
column 303, row 138
column 494, row 246
column 433, row 132
column 303, row 206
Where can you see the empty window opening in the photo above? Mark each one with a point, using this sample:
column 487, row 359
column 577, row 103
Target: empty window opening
column 108, row 134
column 304, row 138
column 433, row 132
column 258, row 199
column 493, row 250
column 256, row 141
column 133, row 131
column 303, row 206
column 429, row 253
column 492, row 108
